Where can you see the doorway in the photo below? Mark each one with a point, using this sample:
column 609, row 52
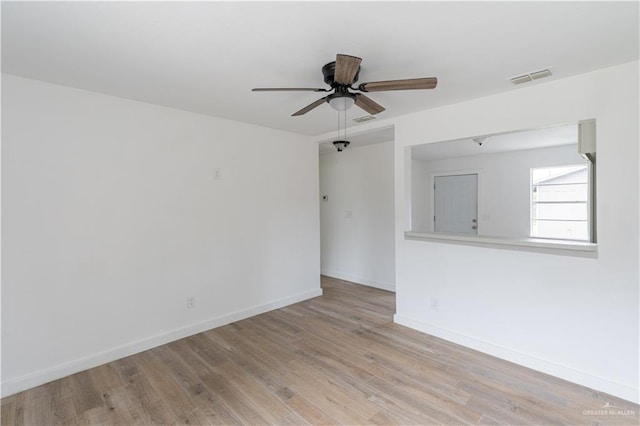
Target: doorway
column 456, row 204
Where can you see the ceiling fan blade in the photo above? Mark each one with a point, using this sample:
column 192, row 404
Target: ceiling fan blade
column 288, row 89
column 408, row 84
column 310, row 107
column 346, row 69
column 368, row 104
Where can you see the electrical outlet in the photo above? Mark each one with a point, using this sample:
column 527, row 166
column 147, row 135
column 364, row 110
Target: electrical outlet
column 348, row 214
column 191, row 302
column 434, row 303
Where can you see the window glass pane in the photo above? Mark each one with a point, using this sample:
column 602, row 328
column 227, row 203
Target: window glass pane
column 577, row 192
column 560, row 229
column 559, row 202
column 561, row 211
column 556, row 175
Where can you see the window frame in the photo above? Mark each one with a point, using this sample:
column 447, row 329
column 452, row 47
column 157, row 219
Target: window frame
column 590, row 205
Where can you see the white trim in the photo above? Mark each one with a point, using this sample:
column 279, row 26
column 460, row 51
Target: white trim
column 358, row 280
column 567, row 247
column 583, row 378
column 46, row 375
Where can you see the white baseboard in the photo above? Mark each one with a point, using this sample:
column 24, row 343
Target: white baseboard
column 40, row 377
column 358, row 280
column 620, row 390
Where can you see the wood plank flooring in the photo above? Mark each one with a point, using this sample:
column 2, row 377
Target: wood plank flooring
column 335, row 359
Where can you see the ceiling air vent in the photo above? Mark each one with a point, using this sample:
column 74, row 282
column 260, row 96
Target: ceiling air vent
column 540, row 74
column 535, row 75
column 364, row 118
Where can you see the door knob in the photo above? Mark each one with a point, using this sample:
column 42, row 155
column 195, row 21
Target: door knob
column 474, row 227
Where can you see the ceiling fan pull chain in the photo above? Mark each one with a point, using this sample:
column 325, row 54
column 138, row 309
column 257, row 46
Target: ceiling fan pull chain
column 345, row 123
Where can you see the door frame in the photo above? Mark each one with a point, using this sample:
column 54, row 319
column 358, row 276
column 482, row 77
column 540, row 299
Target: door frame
column 431, row 196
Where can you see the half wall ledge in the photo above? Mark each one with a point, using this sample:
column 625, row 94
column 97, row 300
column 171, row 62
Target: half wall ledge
column 538, row 245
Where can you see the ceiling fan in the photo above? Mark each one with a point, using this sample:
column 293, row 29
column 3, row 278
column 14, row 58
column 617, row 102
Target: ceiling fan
column 341, row 75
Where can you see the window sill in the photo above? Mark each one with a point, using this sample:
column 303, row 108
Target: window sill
column 565, row 247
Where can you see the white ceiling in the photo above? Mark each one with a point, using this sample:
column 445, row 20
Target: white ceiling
column 504, row 142
column 206, row 56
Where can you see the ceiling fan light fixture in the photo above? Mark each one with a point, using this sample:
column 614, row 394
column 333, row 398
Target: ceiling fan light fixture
column 340, row 145
column 341, row 101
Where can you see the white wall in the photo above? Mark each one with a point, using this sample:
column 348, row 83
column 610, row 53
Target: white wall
column 420, row 204
column 359, row 248
column 112, row 218
column 573, row 317
column 504, row 186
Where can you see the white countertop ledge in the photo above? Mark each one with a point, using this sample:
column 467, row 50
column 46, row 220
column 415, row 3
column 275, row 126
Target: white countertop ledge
column 503, row 242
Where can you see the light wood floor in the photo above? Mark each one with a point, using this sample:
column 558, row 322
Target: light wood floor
column 335, row 359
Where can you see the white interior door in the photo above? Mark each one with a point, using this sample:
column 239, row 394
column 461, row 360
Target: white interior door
column 456, row 204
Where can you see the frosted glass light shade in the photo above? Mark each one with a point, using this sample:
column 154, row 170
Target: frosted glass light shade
column 341, row 103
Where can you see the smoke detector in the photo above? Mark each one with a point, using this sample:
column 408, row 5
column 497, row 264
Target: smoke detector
column 480, row 140
column 534, row 75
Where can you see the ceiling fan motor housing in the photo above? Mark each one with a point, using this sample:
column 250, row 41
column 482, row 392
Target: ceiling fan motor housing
column 329, row 71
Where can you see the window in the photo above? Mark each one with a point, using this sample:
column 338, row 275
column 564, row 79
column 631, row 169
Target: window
column 560, row 202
